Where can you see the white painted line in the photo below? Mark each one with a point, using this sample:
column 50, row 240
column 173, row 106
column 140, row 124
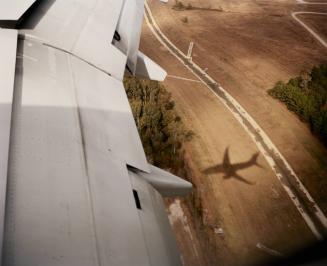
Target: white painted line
column 269, row 250
column 249, row 124
column 190, row 50
column 301, row 2
column 313, row 33
column 181, row 78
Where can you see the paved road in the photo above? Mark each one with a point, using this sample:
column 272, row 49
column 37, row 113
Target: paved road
column 308, row 208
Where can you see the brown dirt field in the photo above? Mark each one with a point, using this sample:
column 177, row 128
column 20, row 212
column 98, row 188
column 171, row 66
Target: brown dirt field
column 247, row 48
column 316, row 22
column 247, row 54
column 247, row 214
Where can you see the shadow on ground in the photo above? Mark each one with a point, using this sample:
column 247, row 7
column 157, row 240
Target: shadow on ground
column 230, row 170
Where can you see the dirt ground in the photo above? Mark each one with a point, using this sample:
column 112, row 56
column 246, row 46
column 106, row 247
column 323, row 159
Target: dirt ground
column 317, row 22
column 247, row 47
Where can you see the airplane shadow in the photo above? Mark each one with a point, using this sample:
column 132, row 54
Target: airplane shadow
column 230, row 170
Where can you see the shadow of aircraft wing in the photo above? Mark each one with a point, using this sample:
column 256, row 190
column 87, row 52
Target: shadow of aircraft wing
column 213, row 169
column 238, row 177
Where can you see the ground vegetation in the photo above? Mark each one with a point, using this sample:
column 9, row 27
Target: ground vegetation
column 160, row 127
column 306, row 95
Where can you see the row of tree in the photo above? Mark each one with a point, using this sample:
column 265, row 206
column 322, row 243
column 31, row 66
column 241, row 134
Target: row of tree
column 306, row 95
column 161, row 129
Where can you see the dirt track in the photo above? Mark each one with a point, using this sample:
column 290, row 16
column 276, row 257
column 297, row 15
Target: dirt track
column 261, row 213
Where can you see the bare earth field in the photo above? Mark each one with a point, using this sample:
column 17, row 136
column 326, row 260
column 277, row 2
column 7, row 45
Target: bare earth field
column 247, row 47
column 317, row 22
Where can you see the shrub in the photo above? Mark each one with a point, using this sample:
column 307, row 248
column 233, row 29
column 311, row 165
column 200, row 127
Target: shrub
column 306, row 96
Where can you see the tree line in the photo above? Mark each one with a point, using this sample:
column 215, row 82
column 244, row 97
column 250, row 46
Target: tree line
column 160, row 127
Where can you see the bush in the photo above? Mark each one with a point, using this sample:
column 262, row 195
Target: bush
column 306, row 96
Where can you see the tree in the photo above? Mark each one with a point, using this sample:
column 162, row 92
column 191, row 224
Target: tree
column 306, row 96
column 161, row 129
column 304, row 79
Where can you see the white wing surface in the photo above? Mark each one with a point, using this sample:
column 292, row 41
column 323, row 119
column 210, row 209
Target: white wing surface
column 14, row 10
column 76, row 188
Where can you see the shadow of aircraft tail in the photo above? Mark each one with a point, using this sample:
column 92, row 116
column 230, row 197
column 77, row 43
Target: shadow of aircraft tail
column 254, row 160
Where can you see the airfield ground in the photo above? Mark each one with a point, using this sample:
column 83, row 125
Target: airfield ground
column 247, row 47
column 316, row 22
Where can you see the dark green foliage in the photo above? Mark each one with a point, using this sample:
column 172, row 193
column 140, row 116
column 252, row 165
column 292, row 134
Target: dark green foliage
column 306, row 95
column 161, row 129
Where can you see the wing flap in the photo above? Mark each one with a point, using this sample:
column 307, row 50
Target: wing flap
column 84, row 28
column 71, row 199
column 158, row 236
column 118, row 227
column 106, row 115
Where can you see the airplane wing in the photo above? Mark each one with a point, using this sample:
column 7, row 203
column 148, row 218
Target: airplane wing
column 76, row 188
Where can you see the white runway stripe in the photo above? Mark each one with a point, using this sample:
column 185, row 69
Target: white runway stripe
column 312, row 32
column 181, row 78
